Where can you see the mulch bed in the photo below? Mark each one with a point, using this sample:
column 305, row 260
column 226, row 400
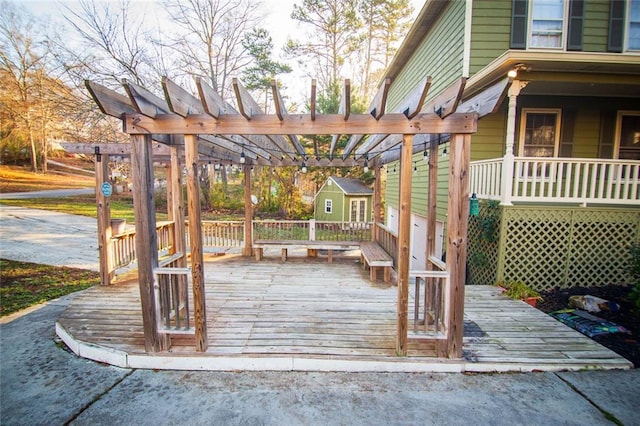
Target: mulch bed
column 625, row 345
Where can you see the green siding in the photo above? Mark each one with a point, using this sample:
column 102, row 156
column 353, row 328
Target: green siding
column 491, row 26
column 488, row 141
column 490, row 32
column 331, row 192
column 587, row 133
column 596, row 26
column 420, row 184
column 439, row 56
column 341, row 204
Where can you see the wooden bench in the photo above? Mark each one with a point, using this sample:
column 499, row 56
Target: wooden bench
column 374, row 256
column 311, row 246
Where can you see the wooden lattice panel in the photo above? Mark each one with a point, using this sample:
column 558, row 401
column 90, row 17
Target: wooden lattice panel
column 562, row 248
column 482, row 254
column 599, row 247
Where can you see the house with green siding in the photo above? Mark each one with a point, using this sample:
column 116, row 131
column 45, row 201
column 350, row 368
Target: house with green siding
column 343, row 200
column 556, row 163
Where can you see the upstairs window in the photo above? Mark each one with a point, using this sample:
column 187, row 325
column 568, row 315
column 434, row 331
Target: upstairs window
column 634, row 25
column 624, row 26
column 547, row 24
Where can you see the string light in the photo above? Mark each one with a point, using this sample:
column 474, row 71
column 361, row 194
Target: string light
column 415, row 166
column 425, row 154
column 366, row 164
column 304, row 167
column 242, row 159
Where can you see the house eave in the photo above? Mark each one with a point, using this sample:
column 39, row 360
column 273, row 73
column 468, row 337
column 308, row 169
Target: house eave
column 621, row 68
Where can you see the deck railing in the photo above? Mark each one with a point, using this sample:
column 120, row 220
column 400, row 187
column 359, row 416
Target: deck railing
column 311, row 230
column 123, row 246
column 228, row 233
column 431, row 301
column 557, row 180
column 172, row 296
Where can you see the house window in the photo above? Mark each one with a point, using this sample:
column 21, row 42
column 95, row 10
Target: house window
column 547, row 24
column 628, row 136
column 328, row 206
column 633, row 29
column 540, row 133
column 358, row 210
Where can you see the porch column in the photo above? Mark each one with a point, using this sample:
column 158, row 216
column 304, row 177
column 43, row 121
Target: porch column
column 377, row 202
column 146, row 238
column 509, row 158
column 248, row 213
column 457, row 224
column 195, row 238
column 404, row 235
column 104, row 220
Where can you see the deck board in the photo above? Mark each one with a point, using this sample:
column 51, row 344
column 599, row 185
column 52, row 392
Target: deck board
column 307, row 308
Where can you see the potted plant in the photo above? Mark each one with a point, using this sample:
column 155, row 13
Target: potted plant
column 521, row 291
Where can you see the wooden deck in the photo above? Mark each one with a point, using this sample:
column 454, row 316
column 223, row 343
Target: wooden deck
column 307, row 315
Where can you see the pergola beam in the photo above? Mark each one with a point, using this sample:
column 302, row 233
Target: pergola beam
column 344, row 110
column 300, row 124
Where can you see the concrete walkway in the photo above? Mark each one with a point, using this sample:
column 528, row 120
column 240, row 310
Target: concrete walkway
column 49, row 238
column 42, row 383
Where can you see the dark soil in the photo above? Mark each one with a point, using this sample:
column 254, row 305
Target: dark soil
column 623, row 344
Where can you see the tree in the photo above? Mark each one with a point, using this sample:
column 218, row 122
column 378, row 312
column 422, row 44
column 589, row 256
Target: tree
column 258, row 76
column 33, row 97
column 385, row 23
column 210, row 43
column 115, row 43
column 334, row 27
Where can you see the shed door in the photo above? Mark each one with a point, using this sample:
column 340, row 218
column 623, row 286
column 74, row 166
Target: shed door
column 358, row 211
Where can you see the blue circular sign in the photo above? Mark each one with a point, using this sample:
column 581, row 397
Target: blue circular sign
column 106, row 189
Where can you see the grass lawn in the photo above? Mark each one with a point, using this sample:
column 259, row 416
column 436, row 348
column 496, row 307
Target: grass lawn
column 24, row 284
column 84, row 205
column 20, row 179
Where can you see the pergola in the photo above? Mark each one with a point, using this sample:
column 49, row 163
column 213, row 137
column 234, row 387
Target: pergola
column 207, row 128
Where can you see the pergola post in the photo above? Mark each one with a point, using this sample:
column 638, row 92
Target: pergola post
column 195, row 237
column 377, row 201
column 404, row 250
column 248, row 213
column 457, row 224
column 176, row 206
column 104, row 220
column 146, row 238
column 432, row 204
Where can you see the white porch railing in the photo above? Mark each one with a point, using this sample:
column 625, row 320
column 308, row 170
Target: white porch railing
column 557, row 180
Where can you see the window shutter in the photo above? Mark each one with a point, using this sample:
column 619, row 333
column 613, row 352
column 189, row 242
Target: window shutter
column 616, row 26
column 567, row 133
column 576, row 18
column 607, row 133
column 519, row 24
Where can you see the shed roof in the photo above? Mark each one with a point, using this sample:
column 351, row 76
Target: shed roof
column 351, row 186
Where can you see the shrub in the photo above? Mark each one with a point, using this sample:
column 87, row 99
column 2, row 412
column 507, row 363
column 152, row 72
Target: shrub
column 633, row 269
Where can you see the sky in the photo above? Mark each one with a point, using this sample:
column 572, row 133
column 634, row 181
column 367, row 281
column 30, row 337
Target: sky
column 278, row 21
